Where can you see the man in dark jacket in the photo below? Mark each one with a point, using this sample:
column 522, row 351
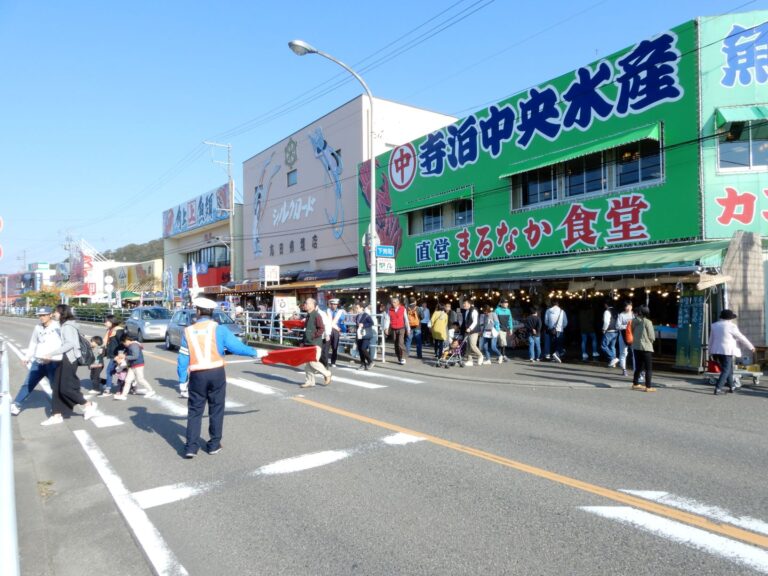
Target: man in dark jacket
column 313, row 336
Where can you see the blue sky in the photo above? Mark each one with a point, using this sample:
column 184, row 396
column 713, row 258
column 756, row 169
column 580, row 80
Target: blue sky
column 105, row 105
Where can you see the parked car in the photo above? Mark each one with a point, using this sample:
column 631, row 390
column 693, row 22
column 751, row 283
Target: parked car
column 148, row 323
column 183, row 318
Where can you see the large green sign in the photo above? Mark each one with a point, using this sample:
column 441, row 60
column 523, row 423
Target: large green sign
column 734, row 106
column 473, row 191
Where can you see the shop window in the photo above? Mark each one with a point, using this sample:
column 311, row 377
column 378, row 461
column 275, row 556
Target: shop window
column 638, row 163
column 432, row 219
column 462, row 213
column 585, row 175
column 539, row 186
column 744, row 146
column 293, row 177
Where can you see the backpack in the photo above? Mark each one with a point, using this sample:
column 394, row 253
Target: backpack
column 413, row 318
column 87, row 356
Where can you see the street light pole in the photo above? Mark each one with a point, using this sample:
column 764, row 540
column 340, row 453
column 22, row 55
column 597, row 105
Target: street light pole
column 231, row 191
column 301, row 48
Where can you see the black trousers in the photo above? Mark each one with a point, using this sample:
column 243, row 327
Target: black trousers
column 206, row 386
column 66, row 388
column 643, row 361
column 364, row 347
column 96, row 377
column 333, row 346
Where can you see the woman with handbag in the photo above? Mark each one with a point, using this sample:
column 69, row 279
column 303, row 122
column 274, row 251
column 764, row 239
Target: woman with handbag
column 364, row 324
column 438, row 324
column 489, row 326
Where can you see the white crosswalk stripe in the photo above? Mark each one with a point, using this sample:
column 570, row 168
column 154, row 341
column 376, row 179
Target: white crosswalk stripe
column 717, row 545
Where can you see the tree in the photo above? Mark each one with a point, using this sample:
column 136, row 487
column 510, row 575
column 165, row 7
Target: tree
column 42, row 298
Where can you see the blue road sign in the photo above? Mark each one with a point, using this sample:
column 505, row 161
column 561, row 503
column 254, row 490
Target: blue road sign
column 384, row 251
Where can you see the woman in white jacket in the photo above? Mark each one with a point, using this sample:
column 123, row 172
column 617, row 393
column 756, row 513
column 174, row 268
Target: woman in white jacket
column 724, row 339
column 66, row 384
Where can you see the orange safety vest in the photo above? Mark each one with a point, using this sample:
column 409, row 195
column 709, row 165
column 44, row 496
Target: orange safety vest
column 201, row 342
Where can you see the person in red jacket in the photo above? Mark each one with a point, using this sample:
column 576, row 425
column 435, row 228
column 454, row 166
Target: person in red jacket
column 396, row 323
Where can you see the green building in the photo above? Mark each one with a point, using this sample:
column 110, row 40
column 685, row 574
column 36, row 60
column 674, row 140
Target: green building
column 643, row 175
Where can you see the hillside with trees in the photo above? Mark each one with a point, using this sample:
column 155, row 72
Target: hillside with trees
column 137, row 252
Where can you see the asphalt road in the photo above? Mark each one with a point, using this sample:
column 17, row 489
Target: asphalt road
column 511, row 469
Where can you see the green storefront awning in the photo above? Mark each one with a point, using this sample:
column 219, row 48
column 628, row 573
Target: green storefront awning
column 678, row 258
column 564, row 155
column 741, row 114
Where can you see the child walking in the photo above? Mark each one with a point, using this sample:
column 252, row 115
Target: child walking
column 135, row 360
column 97, row 343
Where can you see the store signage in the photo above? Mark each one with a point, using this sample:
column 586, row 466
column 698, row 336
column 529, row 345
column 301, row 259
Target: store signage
column 385, row 265
column 385, row 251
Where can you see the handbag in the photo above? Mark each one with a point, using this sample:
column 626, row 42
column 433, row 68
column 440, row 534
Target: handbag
column 628, row 337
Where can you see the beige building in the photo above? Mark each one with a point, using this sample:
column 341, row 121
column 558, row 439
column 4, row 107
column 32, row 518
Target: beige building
column 300, row 195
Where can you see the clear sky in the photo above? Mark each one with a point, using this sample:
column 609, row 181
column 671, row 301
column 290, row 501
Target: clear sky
column 104, row 106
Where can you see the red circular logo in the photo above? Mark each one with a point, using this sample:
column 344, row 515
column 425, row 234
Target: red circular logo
column 402, row 166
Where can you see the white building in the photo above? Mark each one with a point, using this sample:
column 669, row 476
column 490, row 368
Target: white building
column 300, row 195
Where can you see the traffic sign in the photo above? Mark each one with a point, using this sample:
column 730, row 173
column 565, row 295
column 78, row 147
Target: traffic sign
column 385, row 265
column 384, row 251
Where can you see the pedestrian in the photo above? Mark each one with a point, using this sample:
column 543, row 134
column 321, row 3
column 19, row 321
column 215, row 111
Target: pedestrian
column 313, row 336
column 643, row 336
column 489, row 332
column 200, row 368
column 438, row 325
column 396, row 323
column 66, row 385
column 724, row 338
column 610, row 333
column 97, row 344
column 555, row 323
column 426, row 335
column 506, row 329
column 46, row 337
column 587, row 324
column 533, row 330
column 414, row 323
column 364, row 335
column 336, row 318
column 134, row 358
column 470, row 330
column 113, row 346
column 623, row 321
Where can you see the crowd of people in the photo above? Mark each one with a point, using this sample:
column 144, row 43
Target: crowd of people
column 472, row 335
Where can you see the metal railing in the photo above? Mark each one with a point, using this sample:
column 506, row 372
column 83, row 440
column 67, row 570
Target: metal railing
column 9, row 538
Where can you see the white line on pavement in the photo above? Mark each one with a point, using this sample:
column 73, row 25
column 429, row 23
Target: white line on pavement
column 174, row 408
column 357, row 383
column 400, row 439
column 745, row 554
column 305, row 462
column 375, row 374
column 163, row 560
column 252, row 386
column 715, row 512
column 102, row 420
column 168, row 494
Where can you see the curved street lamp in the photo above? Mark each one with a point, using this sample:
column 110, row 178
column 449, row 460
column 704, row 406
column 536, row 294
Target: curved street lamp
column 301, row 48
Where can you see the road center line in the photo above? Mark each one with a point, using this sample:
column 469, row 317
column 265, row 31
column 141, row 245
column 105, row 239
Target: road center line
column 615, row 495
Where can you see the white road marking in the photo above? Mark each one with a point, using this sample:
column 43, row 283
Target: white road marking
column 174, row 408
column 697, row 538
column 163, row 560
column 368, row 385
column 305, row 462
column 252, row 386
column 400, row 439
column 715, row 512
column 168, row 494
column 102, row 420
column 375, row 374
column 233, row 404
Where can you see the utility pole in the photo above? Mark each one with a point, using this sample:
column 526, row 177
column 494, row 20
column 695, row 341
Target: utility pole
column 231, row 184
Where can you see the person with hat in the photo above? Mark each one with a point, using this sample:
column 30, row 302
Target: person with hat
column 336, row 317
column 506, row 329
column 200, row 368
column 724, row 338
column 46, row 337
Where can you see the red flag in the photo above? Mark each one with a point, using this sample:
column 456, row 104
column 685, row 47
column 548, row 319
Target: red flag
column 292, row 356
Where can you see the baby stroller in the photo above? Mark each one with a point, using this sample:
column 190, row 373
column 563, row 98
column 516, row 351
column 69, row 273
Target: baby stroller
column 452, row 356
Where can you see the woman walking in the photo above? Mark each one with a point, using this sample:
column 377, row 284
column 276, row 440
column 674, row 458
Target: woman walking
column 66, row 384
column 533, row 328
column 489, row 326
column 438, row 324
column 643, row 336
column 364, row 335
column 724, row 340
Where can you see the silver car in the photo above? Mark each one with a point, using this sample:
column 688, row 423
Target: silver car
column 148, row 323
column 183, row 318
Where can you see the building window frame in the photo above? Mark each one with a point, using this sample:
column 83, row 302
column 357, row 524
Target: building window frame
column 292, row 177
column 734, row 135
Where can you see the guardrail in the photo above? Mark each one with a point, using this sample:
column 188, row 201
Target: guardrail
column 9, row 538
